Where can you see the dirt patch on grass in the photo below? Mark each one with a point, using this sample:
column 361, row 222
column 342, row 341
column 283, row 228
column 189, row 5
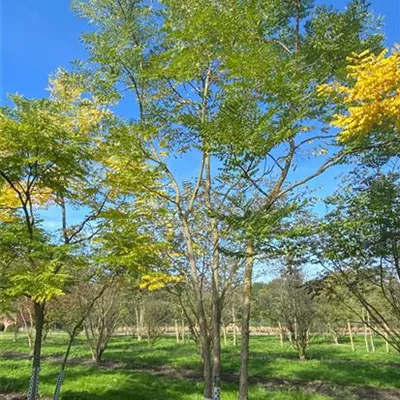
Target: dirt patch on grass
column 13, row 396
column 18, row 396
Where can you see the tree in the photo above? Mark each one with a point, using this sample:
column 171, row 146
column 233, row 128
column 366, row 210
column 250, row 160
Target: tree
column 331, row 317
column 70, row 312
column 234, row 87
column 48, row 153
column 103, row 318
column 288, row 299
column 359, row 246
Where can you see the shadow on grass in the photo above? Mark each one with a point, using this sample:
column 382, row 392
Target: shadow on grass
column 97, row 384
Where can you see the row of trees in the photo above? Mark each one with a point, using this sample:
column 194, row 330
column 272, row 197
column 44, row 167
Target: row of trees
column 295, row 308
column 245, row 94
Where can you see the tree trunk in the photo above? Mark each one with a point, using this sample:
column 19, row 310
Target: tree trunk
column 30, row 330
column 26, row 328
column 335, row 337
column 139, row 323
column 371, row 337
column 216, row 338
column 350, row 335
column 246, row 308
column 183, row 331
column 89, row 340
column 201, row 316
column 281, row 333
column 386, row 339
column 62, row 371
column 215, row 289
column 176, row 331
column 224, row 331
column 15, row 334
column 365, row 331
column 33, row 393
column 234, row 325
column 45, row 332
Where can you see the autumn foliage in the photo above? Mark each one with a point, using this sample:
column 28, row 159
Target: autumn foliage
column 373, row 101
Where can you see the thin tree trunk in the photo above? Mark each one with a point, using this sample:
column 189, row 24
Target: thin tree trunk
column 73, row 335
column 234, row 325
column 335, row 337
column 33, row 393
column 216, row 338
column 183, row 331
column 176, row 331
column 371, row 338
column 203, row 326
column 281, row 333
column 350, row 335
column 224, row 331
column 91, row 344
column 148, row 336
column 215, row 289
column 207, row 366
column 15, row 334
column 246, row 308
column 62, row 371
column 386, row 336
column 365, row 331
column 139, row 323
column 26, row 327
column 30, row 331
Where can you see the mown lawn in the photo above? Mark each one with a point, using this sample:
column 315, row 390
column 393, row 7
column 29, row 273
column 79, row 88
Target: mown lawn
column 133, row 370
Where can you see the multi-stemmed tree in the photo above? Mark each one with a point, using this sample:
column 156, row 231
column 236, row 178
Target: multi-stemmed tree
column 229, row 89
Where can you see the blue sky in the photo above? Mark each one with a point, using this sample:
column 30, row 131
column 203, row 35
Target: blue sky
column 37, row 36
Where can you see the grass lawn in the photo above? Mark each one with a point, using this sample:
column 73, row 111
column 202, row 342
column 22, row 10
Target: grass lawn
column 132, row 370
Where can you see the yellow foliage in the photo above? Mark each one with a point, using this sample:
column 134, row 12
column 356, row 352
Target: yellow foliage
column 157, row 281
column 42, row 197
column 9, row 202
column 374, row 99
column 63, row 87
column 89, row 118
column 68, row 90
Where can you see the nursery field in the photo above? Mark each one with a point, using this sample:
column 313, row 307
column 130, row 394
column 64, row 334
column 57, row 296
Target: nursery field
column 167, row 370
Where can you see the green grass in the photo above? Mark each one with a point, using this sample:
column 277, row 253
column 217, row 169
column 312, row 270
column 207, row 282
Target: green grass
column 131, row 376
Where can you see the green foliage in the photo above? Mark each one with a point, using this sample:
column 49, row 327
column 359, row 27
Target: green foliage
column 359, row 246
column 49, row 153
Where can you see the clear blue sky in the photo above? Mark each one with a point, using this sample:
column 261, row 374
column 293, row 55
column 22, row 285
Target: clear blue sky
column 37, row 36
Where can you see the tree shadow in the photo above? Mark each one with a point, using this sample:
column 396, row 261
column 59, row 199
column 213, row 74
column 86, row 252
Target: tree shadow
column 98, row 384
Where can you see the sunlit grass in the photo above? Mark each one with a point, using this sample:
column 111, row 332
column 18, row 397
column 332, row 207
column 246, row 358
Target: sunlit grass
column 127, row 373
